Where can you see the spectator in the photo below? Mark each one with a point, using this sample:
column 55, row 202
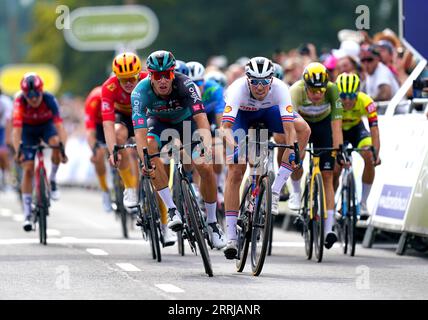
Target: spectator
column 380, row 84
column 387, row 53
column 293, row 69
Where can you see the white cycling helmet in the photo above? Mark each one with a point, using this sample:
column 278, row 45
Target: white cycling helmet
column 259, row 67
column 196, row 70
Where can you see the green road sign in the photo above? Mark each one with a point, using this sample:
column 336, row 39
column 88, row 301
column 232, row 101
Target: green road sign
column 109, row 27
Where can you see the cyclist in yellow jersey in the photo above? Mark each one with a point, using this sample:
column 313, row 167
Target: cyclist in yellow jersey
column 357, row 105
column 317, row 101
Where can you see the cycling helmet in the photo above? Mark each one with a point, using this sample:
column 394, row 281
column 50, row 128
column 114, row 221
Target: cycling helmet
column 180, row 66
column 196, row 70
column 278, row 71
column 315, row 75
column 31, row 84
column 126, row 64
column 217, row 76
column 160, row 60
column 348, row 83
column 259, row 67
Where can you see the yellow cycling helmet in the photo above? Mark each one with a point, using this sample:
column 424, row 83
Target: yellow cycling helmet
column 126, row 65
column 348, row 83
column 315, row 75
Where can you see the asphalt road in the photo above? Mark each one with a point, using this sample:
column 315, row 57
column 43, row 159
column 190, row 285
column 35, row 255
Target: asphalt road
column 86, row 258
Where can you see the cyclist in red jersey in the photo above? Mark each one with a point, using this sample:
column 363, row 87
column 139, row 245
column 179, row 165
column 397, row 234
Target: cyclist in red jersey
column 97, row 142
column 36, row 117
column 117, row 117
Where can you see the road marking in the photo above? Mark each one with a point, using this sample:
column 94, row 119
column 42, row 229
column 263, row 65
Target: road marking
column 73, row 240
column 4, row 212
column 18, row 217
column 97, row 252
column 169, row 288
column 128, row 267
column 53, row 232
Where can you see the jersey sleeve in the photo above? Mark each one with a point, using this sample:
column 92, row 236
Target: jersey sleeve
column 371, row 112
column 90, row 113
column 232, row 103
column 18, row 113
column 285, row 103
column 53, row 105
column 191, row 97
column 107, row 101
column 139, row 118
column 335, row 103
column 219, row 100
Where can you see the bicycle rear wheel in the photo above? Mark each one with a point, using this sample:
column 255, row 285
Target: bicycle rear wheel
column 244, row 229
column 351, row 215
column 261, row 226
column 195, row 216
column 318, row 212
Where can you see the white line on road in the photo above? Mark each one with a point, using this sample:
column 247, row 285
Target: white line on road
column 97, row 252
column 127, row 267
column 4, row 212
column 53, row 232
column 18, row 217
column 169, row 288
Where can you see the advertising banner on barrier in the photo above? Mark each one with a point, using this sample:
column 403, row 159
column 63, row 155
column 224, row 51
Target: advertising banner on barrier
column 404, row 146
column 417, row 218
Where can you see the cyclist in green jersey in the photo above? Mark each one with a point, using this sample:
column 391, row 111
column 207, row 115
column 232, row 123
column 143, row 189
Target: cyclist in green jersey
column 317, row 100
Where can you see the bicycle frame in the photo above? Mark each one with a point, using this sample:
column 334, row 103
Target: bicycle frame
column 314, row 169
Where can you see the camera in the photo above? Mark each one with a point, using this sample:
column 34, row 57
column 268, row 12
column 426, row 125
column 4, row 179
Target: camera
column 418, row 86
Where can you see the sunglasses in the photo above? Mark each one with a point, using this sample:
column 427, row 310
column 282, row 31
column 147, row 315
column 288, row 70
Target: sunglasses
column 316, row 90
column 32, row 94
column 263, row 82
column 344, row 96
column 169, row 74
column 130, row 80
column 364, row 60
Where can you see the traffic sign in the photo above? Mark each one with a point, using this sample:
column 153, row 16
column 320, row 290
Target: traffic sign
column 11, row 75
column 109, row 27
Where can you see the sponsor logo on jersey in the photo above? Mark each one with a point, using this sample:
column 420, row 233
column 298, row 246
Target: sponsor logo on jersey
column 111, row 87
column 194, row 94
column 289, row 109
column 140, row 121
column 198, row 107
column 227, row 109
column 105, row 106
column 371, row 108
column 133, row 123
column 246, row 108
column 338, row 104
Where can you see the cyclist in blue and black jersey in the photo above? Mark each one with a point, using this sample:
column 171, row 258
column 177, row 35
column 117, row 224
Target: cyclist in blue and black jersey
column 169, row 100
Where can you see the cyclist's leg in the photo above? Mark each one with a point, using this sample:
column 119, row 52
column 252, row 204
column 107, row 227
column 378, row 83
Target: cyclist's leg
column 303, row 132
column 161, row 180
column 51, row 137
column 363, row 139
column 123, row 130
column 231, row 197
column 30, row 137
column 322, row 138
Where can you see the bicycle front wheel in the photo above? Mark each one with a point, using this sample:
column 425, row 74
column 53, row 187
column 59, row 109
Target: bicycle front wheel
column 43, row 206
column 120, row 208
column 318, row 213
column 154, row 220
column 196, row 217
column 261, row 226
column 176, row 196
column 307, row 230
column 351, row 219
column 244, row 229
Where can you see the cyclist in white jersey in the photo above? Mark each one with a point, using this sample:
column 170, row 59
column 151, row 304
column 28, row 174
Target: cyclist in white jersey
column 255, row 98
